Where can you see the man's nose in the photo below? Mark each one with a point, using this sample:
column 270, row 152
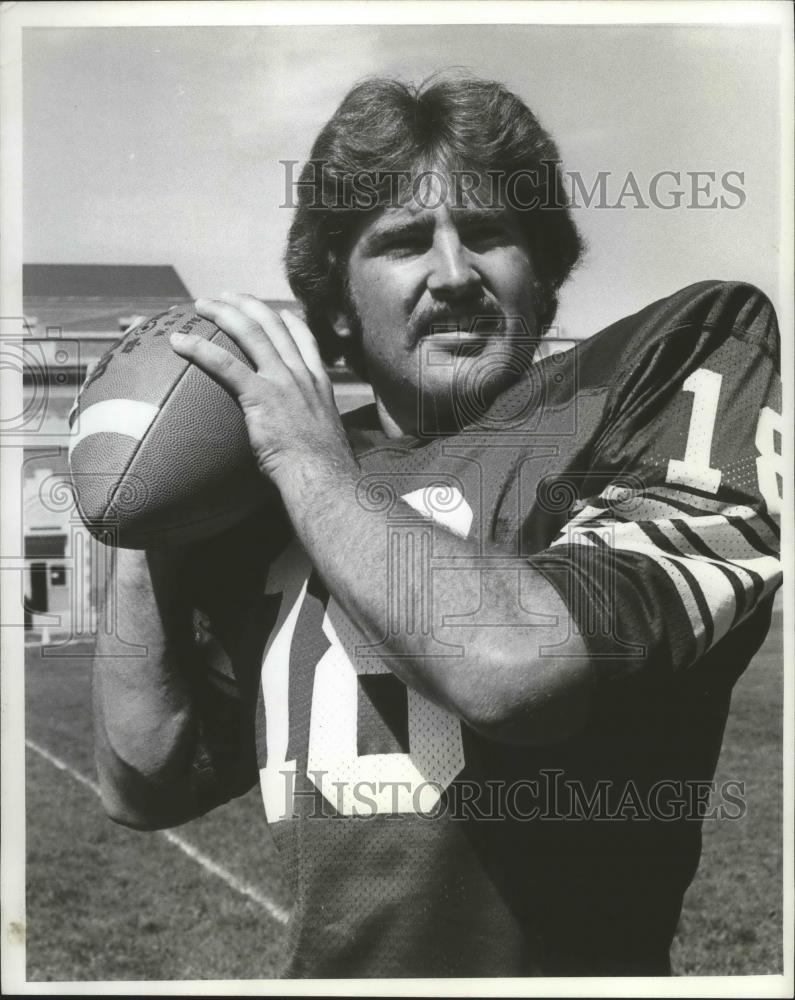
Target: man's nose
column 452, row 276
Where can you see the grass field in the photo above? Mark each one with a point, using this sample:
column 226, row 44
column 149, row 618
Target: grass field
column 106, row 903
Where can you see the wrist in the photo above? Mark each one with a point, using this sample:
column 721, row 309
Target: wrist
column 309, row 482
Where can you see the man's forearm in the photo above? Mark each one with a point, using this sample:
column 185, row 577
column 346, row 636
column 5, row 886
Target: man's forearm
column 498, row 679
column 143, row 709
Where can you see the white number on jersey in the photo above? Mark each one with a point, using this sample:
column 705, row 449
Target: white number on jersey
column 353, row 784
column 770, row 463
column 694, row 469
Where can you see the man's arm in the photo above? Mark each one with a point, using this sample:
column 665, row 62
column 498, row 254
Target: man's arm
column 156, row 765
column 501, row 684
column 143, row 711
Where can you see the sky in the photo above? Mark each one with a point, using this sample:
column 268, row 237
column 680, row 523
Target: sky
column 163, row 145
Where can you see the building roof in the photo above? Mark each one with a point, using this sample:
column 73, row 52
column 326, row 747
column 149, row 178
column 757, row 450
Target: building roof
column 93, row 298
column 99, row 300
column 91, row 281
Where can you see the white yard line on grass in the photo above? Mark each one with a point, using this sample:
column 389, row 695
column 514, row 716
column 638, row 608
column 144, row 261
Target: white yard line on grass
column 277, row 912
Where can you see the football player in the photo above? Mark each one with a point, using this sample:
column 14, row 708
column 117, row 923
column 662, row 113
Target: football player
column 482, row 653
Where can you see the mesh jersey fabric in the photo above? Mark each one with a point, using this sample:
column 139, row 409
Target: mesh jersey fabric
column 638, row 473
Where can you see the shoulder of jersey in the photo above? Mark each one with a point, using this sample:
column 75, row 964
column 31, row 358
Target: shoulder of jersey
column 717, row 308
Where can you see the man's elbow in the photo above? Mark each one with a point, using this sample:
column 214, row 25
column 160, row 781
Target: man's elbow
column 125, row 813
column 530, row 703
column 130, row 800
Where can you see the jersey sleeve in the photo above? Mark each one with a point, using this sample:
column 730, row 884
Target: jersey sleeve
column 676, row 542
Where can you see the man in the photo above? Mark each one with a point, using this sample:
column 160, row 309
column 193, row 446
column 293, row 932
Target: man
column 485, row 646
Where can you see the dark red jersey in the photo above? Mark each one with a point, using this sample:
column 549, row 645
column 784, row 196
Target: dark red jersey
column 640, row 473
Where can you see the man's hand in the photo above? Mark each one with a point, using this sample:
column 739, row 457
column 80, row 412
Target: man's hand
column 288, row 402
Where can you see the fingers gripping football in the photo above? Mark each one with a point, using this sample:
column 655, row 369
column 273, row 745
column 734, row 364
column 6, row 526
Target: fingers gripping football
column 287, row 335
column 257, row 330
column 233, row 375
column 287, row 400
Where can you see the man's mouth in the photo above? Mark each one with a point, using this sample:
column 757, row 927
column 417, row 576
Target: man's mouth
column 460, row 338
column 465, row 328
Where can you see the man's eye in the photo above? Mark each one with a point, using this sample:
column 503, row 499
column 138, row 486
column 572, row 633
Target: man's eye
column 406, row 245
column 485, row 235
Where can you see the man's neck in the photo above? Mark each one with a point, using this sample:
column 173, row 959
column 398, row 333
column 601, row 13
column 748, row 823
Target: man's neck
column 426, row 424
column 389, row 425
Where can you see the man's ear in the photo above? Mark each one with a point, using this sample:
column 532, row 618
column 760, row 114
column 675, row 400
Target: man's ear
column 340, row 323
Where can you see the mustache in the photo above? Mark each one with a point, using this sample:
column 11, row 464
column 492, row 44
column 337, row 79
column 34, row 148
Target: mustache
column 477, row 316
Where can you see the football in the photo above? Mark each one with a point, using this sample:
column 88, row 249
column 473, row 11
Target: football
column 158, row 451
